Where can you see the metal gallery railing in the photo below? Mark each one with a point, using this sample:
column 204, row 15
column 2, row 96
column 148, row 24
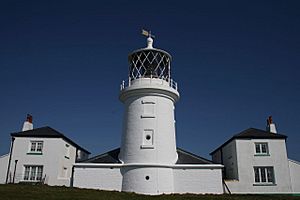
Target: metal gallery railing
column 128, row 82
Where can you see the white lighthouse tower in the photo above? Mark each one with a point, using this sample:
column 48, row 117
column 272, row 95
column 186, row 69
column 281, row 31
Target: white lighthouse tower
column 148, row 161
column 148, row 147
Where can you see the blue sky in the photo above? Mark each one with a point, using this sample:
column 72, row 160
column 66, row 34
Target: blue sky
column 235, row 62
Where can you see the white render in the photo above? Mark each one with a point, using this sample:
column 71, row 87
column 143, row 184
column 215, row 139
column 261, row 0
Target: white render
column 95, row 176
column 199, row 179
column 294, row 167
column 54, row 159
column 27, row 126
column 239, row 159
column 3, row 167
column 246, row 160
column 160, row 124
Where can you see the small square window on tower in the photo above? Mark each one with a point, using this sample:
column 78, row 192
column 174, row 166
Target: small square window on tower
column 148, row 140
column 148, row 109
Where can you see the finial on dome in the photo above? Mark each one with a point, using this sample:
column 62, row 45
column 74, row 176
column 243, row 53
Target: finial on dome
column 149, row 39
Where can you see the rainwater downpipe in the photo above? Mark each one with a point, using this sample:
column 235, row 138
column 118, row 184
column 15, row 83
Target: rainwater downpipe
column 9, row 161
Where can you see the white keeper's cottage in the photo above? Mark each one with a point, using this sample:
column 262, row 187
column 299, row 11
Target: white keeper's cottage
column 40, row 155
column 255, row 161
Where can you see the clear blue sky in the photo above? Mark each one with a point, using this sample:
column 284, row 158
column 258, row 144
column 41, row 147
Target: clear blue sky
column 235, row 62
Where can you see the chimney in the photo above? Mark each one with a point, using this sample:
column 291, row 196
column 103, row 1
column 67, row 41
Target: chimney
column 28, row 123
column 270, row 125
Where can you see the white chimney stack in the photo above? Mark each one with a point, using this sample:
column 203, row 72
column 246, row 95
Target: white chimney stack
column 270, row 125
column 28, row 123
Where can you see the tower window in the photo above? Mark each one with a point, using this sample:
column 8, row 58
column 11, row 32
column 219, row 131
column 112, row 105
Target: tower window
column 147, row 178
column 148, row 109
column 148, row 142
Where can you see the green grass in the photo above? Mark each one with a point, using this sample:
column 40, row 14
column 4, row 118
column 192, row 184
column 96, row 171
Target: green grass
column 43, row 192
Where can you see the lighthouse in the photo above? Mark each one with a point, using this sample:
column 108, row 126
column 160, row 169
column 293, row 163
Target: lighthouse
column 148, row 144
column 148, row 161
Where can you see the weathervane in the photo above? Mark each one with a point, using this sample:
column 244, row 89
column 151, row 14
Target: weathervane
column 147, row 33
column 149, row 39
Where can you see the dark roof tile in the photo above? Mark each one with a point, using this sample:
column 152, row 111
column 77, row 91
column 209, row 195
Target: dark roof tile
column 46, row 132
column 253, row 133
column 184, row 157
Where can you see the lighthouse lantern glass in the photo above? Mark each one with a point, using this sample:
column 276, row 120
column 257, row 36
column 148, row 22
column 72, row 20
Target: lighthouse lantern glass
column 149, row 64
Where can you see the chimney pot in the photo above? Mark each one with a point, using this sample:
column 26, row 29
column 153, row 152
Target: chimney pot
column 271, row 125
column 28, row 123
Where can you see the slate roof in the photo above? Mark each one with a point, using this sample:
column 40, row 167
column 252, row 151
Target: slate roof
column 184, row 157
column 46, row 132
column 253, row 133
column 108, row 157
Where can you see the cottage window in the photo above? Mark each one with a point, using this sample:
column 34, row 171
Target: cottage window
column 33, row 173
column 261, row 149
column 264, row 175
column 36, row 147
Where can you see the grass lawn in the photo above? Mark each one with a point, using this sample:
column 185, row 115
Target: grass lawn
column 43, row 192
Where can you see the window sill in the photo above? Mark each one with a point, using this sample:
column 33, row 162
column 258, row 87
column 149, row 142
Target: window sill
column 30, row 181
column 63, row 178
column 34, row 153
column 261, row 154
column 147, row 116
column 264, row 184
column 147, row 147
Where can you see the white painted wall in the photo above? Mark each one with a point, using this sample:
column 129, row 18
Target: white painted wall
column 229, row 157
column 107, row 177
column 247, row 160
column 155, row 93
column 3, row 167
column 160, row 179
column 53, row 159
column 149, row 110
column 132, row 178
column 295, row 175
column 198, row 181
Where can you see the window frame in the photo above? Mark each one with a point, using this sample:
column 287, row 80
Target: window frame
column 33, row 173
column 148, row 139
column 264, row 175
column 36, row 147
column 261, row 149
